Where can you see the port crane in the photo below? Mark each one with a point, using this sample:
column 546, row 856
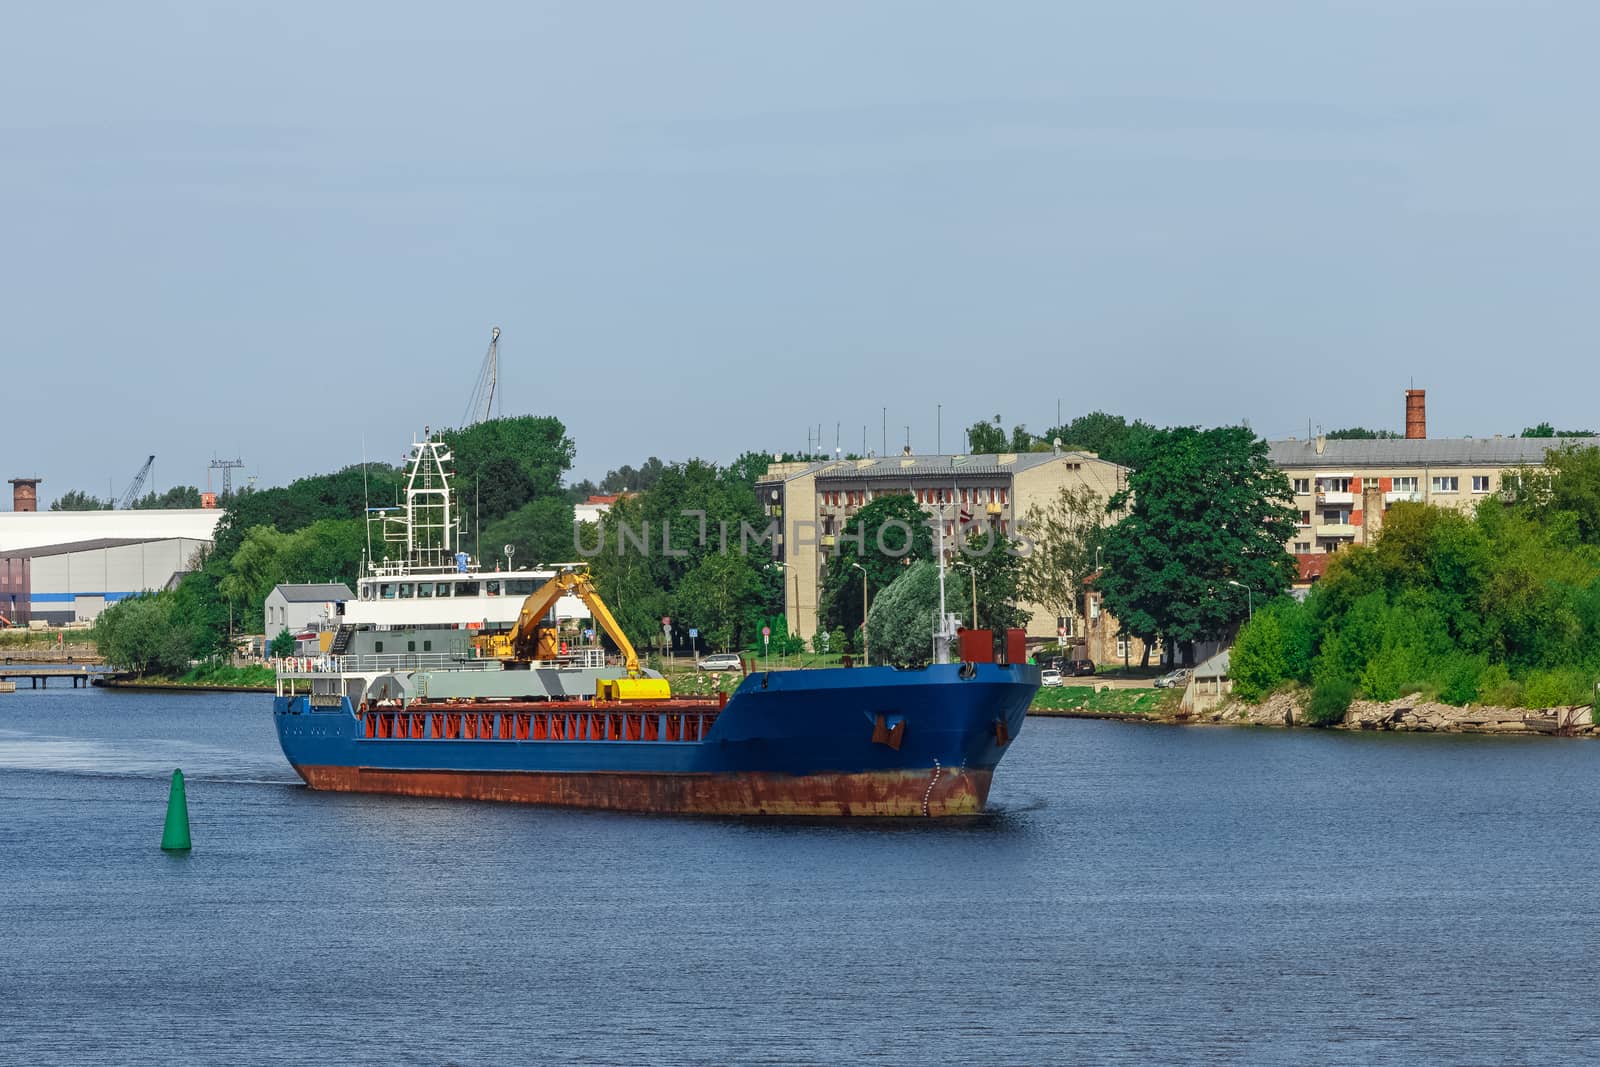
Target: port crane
column 482, row 405
column 130, row 495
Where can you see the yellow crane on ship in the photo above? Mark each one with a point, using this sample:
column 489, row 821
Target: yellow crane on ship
column 529, row 640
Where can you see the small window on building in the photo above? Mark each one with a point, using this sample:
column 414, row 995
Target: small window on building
column 427, row 646
column 1122, row 647
column 1302, row 546
column 1305, row 518
column 1406, row 485
column 1480, row 483
column 1369, row 483
column 1446, row 484
column 377, row 646
column 1302, row 485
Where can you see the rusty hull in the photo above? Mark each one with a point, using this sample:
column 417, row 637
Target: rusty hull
column 936, row 791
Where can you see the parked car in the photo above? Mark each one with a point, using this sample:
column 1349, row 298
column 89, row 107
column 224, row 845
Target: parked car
column 1173, row 679
column 720, row 661
column 1077, row 668
column 1050, row 677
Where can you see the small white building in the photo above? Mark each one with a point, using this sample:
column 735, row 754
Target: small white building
column 299, row 607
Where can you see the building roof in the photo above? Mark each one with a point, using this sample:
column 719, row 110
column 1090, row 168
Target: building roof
column 1313, row 565
column 1419, row 452
column 314, row 593
column 24, row 532
column 881, row 467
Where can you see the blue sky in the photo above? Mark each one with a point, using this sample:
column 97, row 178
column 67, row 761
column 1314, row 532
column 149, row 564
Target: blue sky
column 279, row 229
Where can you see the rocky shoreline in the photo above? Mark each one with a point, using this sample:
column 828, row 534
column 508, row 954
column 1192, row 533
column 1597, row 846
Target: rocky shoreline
column 1409, row 714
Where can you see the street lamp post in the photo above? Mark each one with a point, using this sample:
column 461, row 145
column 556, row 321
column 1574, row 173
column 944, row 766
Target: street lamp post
column 866, row 646
column 1249, row 597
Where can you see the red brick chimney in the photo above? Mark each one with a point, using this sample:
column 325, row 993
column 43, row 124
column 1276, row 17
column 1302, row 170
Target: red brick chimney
column 1416, row 414
column 25, row 494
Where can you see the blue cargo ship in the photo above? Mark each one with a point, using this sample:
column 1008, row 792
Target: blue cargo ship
column 440, row 679
column 871, row 741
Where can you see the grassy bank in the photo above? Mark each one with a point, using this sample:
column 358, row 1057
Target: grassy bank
column 209, row 676
column 1070, row 698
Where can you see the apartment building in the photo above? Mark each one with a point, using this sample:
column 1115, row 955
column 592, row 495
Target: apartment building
column 1342, row 488
column 814, row 501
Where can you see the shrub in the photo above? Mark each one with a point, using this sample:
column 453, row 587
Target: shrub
column 1557, row 688
column 1496, row 687
column 1330, row 699
column 283, row 644
column 1460, row 679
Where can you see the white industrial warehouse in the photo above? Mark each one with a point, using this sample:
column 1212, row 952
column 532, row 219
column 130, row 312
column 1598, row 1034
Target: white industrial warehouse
column 61, row 567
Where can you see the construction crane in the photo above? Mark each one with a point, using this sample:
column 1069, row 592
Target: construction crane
column 482, row 405
column 530, row 640
column 131, row 494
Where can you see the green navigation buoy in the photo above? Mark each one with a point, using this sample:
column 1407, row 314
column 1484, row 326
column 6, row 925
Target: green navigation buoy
column 175, row 838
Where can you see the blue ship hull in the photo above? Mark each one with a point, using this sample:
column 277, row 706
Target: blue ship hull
column 864, row 741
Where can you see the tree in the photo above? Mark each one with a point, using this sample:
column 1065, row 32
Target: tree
column 78, row 500
column 539, row 532
column 144, row 635
column 1568, row 482
column 1111, row 437
column 986, row 438
column 282, row 644
column 717, row 598
column 1206, row 509
column 902, row 618
column 883, row 537
column 1361, row 433
column 1064, row 532
column 179, row 496
column 538, row 445
column 1544, row 429
column 996, row 566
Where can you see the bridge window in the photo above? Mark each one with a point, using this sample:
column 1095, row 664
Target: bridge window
column 443, row 588
column 520, row 586
column 424, row 590
column 377, row 646
column 405, row 590
column 466, row 589
column 492, row 588
column 386, row 591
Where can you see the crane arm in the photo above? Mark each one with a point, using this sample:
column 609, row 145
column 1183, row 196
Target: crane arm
column 608, row 623
column 131, row 494
column 542, row 599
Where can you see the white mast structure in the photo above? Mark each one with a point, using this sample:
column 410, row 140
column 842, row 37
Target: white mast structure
column 485, row 392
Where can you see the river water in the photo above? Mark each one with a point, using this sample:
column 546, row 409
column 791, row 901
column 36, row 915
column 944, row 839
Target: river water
column 1141, row 894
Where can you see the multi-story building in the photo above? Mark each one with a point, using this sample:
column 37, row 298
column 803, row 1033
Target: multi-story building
column 1343, row 487
column 814, row 501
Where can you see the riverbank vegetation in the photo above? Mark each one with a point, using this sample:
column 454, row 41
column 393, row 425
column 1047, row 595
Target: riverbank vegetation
column 1498, row 607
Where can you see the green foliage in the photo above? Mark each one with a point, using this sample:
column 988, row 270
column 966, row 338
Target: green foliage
column 1500, row 608
column 1207, row 508
column 283, row 644
column 702, row 573
column 1544, row 429
column 884, row 558
column 1361, row 433
column 78, row 500
column 1330, row 699
column 145, row 635
column 902, row 617
column 1064, row 534
column 1111, row 437
column 986, row 438
column 539, row 532
column 514, row 459
column 179, row 496
column 994, row 561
